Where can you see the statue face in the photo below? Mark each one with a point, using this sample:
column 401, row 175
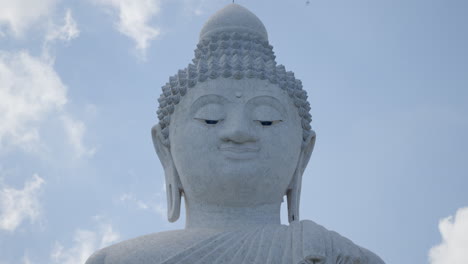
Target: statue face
column 235, row 142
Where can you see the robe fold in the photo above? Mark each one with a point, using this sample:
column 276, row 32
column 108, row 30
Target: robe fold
column 299, row 243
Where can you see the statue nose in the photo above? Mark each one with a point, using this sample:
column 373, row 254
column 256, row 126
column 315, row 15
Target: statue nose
column 238, row 131
column 238, row 136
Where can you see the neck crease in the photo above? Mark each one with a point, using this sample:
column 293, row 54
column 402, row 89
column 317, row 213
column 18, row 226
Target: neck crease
column 222, row 217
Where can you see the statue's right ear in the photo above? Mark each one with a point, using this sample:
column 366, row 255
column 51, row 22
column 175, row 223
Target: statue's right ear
column 162, row 148
column 173, row 185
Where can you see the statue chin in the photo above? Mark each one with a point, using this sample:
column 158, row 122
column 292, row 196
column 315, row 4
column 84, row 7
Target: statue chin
column 234, row 138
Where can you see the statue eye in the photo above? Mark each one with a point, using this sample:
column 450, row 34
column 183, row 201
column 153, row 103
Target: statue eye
column 268, row 123
column 211, row 122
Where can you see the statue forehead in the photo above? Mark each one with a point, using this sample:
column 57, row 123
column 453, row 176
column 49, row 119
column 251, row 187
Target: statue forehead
column 237, row 90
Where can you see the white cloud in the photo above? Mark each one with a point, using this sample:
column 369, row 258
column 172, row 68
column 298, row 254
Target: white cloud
column 26, row 260
column 18, row 15
column 161, row 210
column 454, row 246
column 75, row 131
column 127, row 197
column 197, row 7
column 68, row 31
column 17, row 206
column 108, row 236
column 85, row 243
column 30, row 89
column 157, row 205
column 134, row 18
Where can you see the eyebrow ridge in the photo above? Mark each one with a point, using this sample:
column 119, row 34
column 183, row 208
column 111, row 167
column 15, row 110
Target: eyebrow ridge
column 207, row 99
column 271, row 101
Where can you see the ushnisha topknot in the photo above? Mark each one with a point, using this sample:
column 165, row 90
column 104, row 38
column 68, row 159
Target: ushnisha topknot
column 229, row 51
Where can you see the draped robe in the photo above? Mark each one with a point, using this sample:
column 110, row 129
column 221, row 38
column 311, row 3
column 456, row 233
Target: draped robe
column 299, row 243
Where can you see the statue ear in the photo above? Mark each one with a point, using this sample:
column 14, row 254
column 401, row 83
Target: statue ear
column 293, row 193
column 173, row 185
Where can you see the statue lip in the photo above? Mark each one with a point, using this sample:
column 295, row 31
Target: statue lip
column 239, row 152
column 239, row 149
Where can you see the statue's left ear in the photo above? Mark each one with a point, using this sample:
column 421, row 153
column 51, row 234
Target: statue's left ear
column 307, row 148
column 293, row 193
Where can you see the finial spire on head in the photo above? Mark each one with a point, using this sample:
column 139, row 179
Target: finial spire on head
column 234, row 18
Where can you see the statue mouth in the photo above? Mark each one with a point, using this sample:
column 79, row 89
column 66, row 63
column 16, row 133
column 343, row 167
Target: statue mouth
column 239, row 152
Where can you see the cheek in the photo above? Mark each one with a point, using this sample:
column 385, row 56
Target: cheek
column 189, row 135
column 284, row 141
column 191, row 141
column 282, row 148
column 193, row 146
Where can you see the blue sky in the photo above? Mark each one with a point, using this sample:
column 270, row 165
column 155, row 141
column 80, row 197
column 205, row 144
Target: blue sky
column 79, row 82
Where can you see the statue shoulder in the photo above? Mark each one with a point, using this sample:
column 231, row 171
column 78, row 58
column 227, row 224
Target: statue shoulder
column 97, row 258
column 329, row 244
column 371, row 257
column 152, row 248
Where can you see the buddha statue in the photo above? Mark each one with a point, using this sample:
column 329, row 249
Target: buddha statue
column 234, row 138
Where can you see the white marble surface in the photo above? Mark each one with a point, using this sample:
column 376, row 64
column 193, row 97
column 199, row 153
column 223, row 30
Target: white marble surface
column 233, row 18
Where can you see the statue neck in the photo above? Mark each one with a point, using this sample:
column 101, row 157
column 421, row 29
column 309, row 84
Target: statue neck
column 221, row 217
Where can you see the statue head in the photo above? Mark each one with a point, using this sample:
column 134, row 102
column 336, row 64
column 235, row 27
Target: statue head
column 234, row 127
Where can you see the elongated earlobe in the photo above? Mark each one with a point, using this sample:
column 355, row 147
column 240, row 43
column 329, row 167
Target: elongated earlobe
column 174, row 194
column 173, row 185
column 293, row 197
column 293, row 194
